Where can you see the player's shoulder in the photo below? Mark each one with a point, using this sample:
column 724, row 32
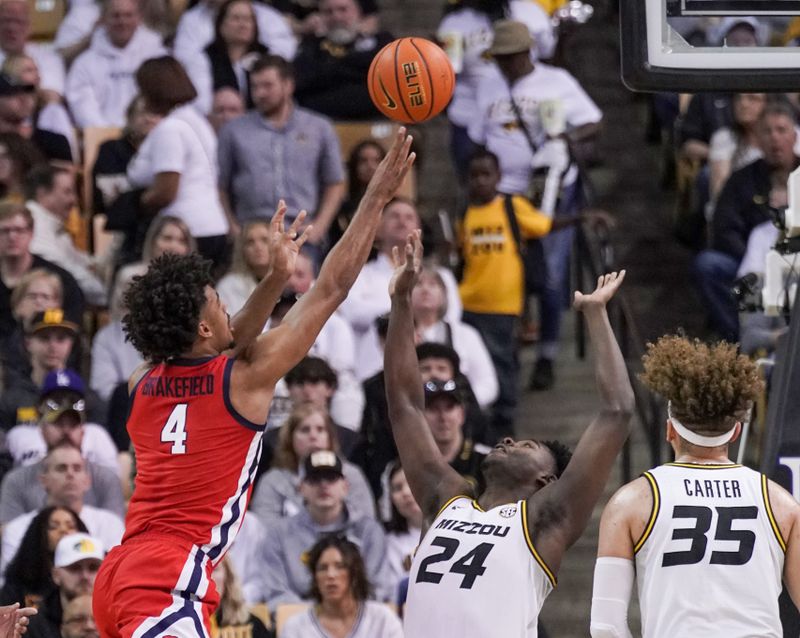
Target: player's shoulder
column 633, row 496
column 138, row 374
column 782, row 501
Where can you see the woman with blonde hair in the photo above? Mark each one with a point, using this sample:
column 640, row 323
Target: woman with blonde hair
column 232, row 618
column 308, row 429
column 250, row 264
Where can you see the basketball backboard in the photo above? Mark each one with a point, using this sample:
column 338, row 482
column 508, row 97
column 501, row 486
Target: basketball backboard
column 657, row 57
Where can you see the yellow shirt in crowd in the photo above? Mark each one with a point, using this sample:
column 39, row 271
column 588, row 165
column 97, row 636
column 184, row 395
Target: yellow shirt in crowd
column 493, row 277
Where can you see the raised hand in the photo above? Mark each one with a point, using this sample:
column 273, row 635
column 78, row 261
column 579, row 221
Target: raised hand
column 406, row 266
column 14, row 621
column 393, row 169
column 284, row 245
column 607, row 286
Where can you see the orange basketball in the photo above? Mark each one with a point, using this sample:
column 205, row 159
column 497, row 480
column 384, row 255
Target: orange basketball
column 411, row 80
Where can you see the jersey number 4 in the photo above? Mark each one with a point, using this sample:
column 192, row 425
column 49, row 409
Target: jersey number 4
column 174, row 430
column 724, row 532
column 470, row 565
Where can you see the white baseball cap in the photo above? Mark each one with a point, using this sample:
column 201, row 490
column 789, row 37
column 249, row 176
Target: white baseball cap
column 76, row 547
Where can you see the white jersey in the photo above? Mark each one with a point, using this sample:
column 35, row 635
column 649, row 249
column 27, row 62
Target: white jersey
column 477, row 574
column 710, row 560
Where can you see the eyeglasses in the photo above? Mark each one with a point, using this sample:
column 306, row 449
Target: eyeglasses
column 6, row 231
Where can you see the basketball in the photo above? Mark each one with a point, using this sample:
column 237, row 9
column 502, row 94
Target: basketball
column 411, row 80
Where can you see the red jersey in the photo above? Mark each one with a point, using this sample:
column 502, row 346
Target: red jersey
column 196, row 457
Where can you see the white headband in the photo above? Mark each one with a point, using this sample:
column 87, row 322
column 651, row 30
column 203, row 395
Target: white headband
column 699, row 439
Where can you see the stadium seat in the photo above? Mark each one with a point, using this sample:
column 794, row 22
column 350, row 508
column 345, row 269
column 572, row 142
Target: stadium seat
column 46, row 15
column 261, row 611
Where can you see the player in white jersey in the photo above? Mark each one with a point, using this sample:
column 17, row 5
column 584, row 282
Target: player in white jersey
column 486, row 562
column 708, row 541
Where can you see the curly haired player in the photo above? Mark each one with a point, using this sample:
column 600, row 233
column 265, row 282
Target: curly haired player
column 708, row 540
column 198, row 412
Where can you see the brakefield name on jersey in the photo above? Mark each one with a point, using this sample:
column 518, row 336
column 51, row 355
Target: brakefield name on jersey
column 178, row 387
column 466, row 527
column 712, row 488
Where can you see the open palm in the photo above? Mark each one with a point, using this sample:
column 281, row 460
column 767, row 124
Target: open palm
column 284, row 245
column 406, row 266
column 607, row 286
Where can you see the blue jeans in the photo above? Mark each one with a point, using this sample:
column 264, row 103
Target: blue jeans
column 501, row 341
column 715, row 273
column 462, row 148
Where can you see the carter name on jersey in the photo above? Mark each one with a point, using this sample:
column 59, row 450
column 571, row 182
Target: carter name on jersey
column 713, row 488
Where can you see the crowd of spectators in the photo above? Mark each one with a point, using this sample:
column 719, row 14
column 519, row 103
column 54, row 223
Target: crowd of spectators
column 223, row 115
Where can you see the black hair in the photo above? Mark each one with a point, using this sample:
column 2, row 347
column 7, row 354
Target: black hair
column 356, row 189
column 311, row 369
column 431, row 350
column 40, row 176
column 484, row 154
column 494, row 9
column 218, row 44
column 165, row 305
column 561, row 455
column 359, row 583
column 396, row 523
column 31, row 566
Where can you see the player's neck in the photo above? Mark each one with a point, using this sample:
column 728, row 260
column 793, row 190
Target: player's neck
column 200, row 350
column 495, row 495
column 715, row 456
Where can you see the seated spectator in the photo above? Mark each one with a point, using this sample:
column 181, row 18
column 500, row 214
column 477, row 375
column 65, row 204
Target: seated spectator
column 36, row 291
column 196, row 30
column 734, row 147
column 243, row 556
column 324, row 490
column 403, row 525
column 339, row 590
column 29, row 574
column 278, row 493
column 15, row 39
column 100, row 83
column 16, row 260
column 369, row 297
column 743, row 204
column 62, row 419
column 493, row 286
column 250, row 263
column 429, row 303
column 175, row 163
column 77, row 561
column 16, row 116
column 49, row 114
column 377, row 449
column 361, row 166
column 232, row 613
column 225, row 63
column 21, row 490
column 305, row 19
column 77, row 619
column 17, row 157
column 306, row 176
column 49, row 340
column 226, row 105
column 332, row 66
column 110, row 170
column 51, row 197
column 65, row 482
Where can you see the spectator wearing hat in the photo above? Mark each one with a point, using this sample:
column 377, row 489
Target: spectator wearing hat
column 288, row 541
column 49, row 339
column 509, row 122
column 17, row 111
column 65, row 481
column 51, row 197
column 77, row 560
column 62, row 419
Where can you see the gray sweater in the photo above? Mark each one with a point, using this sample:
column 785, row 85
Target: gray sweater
column 277, row 494
column 287, row 578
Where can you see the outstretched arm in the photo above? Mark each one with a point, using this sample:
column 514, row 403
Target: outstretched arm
column 560, row 511
column 431, row 479
column 280, row 349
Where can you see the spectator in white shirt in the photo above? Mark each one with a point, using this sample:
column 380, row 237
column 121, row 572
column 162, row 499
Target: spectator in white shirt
column 62, row 419
column 369, row 297
column 101, row 82
column 51, row 196
column 65, row 481
column 196, row 30
column 176, row 163
column 15, row 31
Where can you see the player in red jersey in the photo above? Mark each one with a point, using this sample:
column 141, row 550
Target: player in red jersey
column 198, row 412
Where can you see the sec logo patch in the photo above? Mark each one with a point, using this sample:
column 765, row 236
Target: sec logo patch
column 508, row 511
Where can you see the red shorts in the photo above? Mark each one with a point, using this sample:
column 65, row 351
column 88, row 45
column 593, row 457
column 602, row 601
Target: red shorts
column 153, row 586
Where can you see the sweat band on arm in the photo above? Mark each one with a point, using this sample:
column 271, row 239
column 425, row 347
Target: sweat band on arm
column 613, row 584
